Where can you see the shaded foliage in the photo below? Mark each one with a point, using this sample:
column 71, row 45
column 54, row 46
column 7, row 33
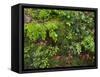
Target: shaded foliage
column 58, row 38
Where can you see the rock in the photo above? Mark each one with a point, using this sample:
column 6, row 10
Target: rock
column 27, row 19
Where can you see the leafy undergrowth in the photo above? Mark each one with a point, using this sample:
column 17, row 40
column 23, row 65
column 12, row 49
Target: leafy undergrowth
column 58, row 38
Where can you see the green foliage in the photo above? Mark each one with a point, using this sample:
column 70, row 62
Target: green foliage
column 88, row 43
column 40, row 56
column 43, row 14
column 78, row 48
column 57, row 32
column 51, row 27
column 35, row 31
